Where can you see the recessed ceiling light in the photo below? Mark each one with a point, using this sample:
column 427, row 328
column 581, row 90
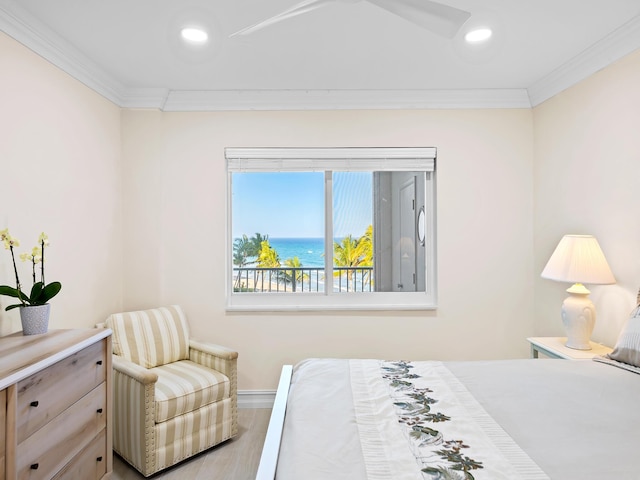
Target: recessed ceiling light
column 478, row 35
column 194, row 35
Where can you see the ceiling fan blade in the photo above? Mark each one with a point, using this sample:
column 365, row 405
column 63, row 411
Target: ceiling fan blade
column 436, row 17
column 298, row 9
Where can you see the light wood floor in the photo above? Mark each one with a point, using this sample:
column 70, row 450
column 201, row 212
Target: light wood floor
column 236, row 459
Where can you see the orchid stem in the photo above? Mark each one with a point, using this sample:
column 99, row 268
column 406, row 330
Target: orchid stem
column 15, row 270
column 42, row 263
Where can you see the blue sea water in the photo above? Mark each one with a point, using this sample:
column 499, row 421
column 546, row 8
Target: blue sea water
column 310, row 251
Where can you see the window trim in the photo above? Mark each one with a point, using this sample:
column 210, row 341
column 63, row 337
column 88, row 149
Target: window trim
column 396, row 159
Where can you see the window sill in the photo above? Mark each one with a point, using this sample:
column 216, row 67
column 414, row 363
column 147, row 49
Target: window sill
column 319, row 303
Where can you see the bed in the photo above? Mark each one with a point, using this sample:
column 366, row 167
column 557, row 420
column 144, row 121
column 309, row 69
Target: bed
column 529, row 419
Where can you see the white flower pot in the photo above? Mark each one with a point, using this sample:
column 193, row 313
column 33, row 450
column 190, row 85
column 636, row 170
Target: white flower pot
column 35, row 319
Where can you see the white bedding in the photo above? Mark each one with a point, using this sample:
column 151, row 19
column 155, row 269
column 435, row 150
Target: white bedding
column 574, row 419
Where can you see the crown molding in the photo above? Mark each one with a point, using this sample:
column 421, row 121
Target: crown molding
column 613, row 47
column 191, row 101
column 38, row 37
column 16, row 22
column 144, row 98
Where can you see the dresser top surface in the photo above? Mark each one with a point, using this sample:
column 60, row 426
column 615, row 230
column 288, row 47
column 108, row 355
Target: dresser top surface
column 22, row 355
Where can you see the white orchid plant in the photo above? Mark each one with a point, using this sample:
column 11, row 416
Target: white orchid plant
column 41, row 293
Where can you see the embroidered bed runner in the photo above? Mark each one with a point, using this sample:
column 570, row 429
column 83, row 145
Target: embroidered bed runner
column 418, row 422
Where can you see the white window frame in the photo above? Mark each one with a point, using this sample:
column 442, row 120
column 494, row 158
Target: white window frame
column 395, row 159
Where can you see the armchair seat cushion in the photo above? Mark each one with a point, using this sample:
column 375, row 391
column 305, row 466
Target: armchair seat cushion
column 185, row 386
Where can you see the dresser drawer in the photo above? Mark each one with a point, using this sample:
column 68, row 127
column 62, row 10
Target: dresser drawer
column 52, row 447
column 90, row 464
column 43, row 395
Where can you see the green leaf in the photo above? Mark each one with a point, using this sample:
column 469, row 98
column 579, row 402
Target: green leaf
column 36, row 291
column 425, row 430
column 49, row 292
column 15, row 293
column 9, row 291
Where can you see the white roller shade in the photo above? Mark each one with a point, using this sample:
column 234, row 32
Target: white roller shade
column 334, row 159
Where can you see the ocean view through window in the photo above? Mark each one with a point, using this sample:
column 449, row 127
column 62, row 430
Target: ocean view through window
column 331, row 228
column 309, row 250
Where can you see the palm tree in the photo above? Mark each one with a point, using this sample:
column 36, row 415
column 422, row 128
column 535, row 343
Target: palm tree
column 365, row 248
column 345, row 254
column 353, row 252
column 293, row 276
column 268, row 257
column 241, row 250
column 255, row 244
column 245, row 248
column 246, row 252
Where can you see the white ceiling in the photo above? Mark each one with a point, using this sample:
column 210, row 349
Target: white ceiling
column 348, row 54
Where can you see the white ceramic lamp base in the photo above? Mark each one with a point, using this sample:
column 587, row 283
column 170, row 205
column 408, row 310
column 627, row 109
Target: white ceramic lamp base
column 578, row 317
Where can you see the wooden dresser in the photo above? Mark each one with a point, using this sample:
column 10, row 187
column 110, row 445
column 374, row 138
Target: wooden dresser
column 55, row 405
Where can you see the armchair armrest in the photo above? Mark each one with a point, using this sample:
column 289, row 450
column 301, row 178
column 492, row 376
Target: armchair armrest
column 213, row 349
column 221, row 359
column 133, row 411
column 215, row 357
column 133, row 370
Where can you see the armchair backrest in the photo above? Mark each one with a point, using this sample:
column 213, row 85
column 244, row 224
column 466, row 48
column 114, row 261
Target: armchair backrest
column 152, row 337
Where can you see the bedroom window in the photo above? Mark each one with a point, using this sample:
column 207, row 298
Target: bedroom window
column 331, row 228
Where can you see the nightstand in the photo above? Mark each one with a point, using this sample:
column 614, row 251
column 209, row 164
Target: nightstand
column 554, row 347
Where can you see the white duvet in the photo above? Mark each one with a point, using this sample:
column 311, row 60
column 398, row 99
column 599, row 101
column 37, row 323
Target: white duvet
column 572, row 419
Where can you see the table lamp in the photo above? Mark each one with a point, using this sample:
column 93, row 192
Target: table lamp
column 578, row 259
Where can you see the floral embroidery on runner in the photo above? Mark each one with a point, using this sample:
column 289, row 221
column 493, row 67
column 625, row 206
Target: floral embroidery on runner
column 441, row 458
column 417, row 421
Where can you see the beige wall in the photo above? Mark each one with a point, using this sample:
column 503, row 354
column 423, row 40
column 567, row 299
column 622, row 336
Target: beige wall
column 587, row 167
column 60, row 151
column 175, row 217
column 134, row 203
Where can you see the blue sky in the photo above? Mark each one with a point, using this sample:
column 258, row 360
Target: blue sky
column 291, row 204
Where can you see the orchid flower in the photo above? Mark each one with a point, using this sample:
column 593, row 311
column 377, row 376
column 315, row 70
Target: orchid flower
column 43, row 239
column 41, row 293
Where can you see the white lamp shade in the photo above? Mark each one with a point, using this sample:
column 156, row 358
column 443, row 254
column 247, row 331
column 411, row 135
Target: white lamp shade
column 578, row 259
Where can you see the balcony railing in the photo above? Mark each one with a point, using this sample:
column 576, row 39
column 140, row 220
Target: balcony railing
column 301, row 279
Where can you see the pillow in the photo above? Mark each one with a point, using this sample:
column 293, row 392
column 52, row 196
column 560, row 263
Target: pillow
column 150, row 338
column 627, row 348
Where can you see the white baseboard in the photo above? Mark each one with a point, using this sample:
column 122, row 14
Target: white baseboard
column 256, row 398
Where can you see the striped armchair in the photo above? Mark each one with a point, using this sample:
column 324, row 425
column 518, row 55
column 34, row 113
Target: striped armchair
column 172, row 397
